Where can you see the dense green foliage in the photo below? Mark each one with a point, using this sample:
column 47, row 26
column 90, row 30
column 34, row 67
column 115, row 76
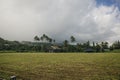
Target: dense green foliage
column 44, row 43
column 71, row 66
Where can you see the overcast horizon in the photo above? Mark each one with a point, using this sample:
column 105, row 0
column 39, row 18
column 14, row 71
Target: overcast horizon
column 94, row 20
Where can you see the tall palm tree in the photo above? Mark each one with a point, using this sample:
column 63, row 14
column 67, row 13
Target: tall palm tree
column 65, row 43
column 54, row 41
column 93, row 44
column 106, row 44
column 44, row 35
column 36, row 38
column 45, row 38
column 50, row 40
column 41, row 38
column 72, row 39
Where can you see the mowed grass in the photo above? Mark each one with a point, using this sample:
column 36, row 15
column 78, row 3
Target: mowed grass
column 52, row 66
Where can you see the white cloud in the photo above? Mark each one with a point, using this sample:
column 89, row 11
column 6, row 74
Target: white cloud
column 23, row 19
column 101, row 24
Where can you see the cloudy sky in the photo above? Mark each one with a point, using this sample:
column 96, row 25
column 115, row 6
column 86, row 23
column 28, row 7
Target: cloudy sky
column 94, row 20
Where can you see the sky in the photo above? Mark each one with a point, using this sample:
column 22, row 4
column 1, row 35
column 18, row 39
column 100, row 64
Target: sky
column 94, row 20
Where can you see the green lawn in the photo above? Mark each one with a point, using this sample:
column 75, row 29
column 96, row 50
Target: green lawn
column 52, row 66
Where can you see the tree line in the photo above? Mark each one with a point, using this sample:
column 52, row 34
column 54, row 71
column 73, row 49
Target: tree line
column 44, row 43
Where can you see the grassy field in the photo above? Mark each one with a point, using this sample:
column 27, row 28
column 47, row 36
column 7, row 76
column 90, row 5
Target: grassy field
column 69, row 66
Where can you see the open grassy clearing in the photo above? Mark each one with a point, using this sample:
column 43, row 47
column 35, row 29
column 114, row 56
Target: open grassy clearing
column 69, row 66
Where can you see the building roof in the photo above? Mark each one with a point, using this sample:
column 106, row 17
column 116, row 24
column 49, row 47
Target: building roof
column 55, row 47
column 89, row 50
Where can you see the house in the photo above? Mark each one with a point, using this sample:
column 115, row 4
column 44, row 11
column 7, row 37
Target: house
column 54, row 49
column 89, row 50
column 106, row 50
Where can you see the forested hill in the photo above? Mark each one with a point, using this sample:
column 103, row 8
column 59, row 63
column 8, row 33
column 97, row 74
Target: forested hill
column 24, row 46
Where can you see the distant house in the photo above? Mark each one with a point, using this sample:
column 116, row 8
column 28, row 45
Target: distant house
column 106, row 50
column 54, row 49
column 89, row 50
column 6, row 44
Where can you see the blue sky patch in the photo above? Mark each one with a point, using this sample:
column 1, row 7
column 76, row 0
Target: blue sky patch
column 108, row 3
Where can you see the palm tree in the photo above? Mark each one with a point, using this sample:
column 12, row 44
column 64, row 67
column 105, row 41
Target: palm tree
column 54, row 41
column 50, row 40
column 88, row 43
column 36, row 38
column 72, row 39
column 41, row 38
column 45, row 38
column 66, row 43
column 93, row 44
column 98, row 48
column 106, row 44
column 44, row 35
